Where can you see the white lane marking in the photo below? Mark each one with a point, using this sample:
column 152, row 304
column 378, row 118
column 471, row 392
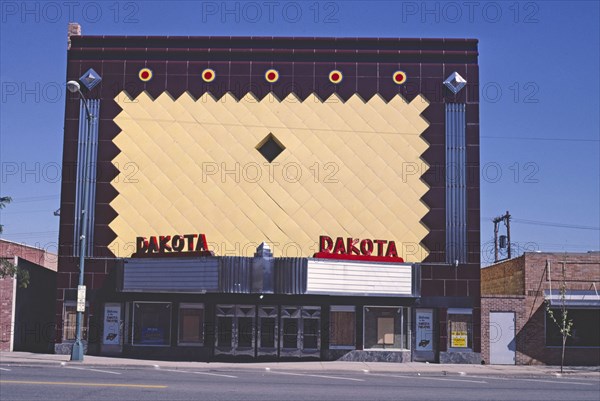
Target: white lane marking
column 93, row 370
column 321, row 376
column 431, row 378
column 214, row 374
column 200, row 373
column 536, row 380
column 6, row 370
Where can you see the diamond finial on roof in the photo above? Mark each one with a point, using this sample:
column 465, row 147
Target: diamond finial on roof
column 263, row 251
column 90, row 79
column 455, row 82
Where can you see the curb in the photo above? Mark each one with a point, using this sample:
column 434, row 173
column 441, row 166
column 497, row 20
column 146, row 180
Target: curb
column 413, row 372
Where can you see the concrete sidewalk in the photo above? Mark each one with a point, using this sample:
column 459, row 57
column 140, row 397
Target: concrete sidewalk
column 25, row 358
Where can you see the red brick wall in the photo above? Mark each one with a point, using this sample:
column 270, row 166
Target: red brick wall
column 34, row 255
column 10, row 250
column 6, row 310
column 501, row 303
column 582, row 271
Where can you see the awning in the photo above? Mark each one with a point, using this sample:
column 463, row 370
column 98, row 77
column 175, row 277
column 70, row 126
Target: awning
column 574, row 298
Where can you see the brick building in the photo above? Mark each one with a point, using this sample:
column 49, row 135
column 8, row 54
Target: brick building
column 515, row 326
column 26, row 314
column 307, row 179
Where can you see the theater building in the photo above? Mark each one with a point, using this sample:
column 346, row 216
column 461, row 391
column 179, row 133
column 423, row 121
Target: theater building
column 273, row 198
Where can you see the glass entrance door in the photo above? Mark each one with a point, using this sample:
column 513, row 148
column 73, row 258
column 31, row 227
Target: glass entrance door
column 300, row 330
column 235, row 331
column 267, row 336
column 225, row 314
column 244, row 325
column 289, row 344
column 311, row 330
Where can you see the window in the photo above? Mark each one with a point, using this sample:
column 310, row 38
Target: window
column 386, row 327
column 191, row 324
column 270, row 147
column 342, row 327
column 586, row 326
column 152, row 323
column 460, row 328
column 70, row 322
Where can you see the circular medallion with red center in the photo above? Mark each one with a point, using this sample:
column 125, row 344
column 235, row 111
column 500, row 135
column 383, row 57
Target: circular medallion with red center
column 399, row 77
column 272, row 75
column 335, row 76
column 145, row 74
column 208, row 75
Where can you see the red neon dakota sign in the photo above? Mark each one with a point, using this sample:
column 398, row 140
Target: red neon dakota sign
column 378, row 250
column 172, row 245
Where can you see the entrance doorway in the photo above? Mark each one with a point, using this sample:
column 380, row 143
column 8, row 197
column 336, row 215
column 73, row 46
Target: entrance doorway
column 267, row 330
column 300, row 331
column 235, row 334
column 502, row 338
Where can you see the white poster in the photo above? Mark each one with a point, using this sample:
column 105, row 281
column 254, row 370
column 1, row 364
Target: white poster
column 112, row 322
column 425, row 330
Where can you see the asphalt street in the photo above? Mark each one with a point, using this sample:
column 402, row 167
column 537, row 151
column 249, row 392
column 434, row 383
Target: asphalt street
column 68, row 382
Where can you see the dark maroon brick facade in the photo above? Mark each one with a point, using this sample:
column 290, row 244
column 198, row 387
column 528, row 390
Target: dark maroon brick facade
column 303, row 65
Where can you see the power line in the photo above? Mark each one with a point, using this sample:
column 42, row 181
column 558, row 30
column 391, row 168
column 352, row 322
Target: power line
column 533, row 138
column 549, row 224
column 30, row 211
column 35, row 198
column 561, row 225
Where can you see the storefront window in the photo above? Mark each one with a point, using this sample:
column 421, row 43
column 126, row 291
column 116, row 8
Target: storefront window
column 585, row 329
column 460, row 328
column 70, row 322
column 191, row 324
column 342, row 327
column 152, row 323
column 386, row 327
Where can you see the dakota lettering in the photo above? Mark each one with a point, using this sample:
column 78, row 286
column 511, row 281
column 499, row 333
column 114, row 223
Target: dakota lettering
column 188, row 243
column 391, row 251
column 380, row 243
column 325, row 243
column 339, row 246
column 177, row 243
column 164, row 243
column 366, row 247
column 352, row 247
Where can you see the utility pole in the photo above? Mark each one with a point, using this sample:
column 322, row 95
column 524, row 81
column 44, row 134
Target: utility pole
column 506, row 219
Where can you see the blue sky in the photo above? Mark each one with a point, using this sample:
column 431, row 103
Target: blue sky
column 540, row 96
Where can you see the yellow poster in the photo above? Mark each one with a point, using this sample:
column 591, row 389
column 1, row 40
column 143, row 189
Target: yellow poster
column 458, row 339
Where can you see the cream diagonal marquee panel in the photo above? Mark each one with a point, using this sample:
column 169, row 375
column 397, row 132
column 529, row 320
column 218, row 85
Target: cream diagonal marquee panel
column 349, row 169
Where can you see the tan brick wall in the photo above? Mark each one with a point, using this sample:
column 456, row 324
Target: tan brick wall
column 506, row 278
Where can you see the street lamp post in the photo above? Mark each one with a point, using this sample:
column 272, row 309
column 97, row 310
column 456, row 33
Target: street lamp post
column 73, row 86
